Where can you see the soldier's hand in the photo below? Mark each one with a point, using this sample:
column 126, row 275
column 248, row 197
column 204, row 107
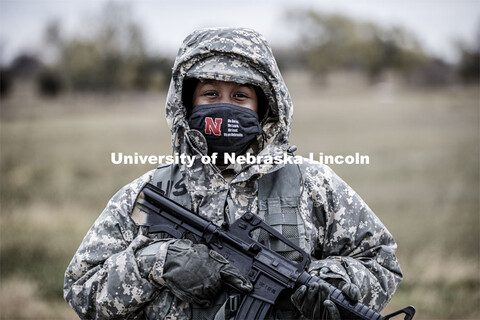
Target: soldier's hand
column 313, row 302
column 195, row 273
column 350, row 290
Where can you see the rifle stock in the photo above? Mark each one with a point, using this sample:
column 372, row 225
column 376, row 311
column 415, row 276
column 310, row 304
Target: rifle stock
column 269, row 272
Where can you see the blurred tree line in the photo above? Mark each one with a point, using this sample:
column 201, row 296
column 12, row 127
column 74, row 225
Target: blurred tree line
column 111, row 55
column 331, row 42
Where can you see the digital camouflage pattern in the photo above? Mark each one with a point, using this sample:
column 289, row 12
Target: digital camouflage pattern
column 108, row 278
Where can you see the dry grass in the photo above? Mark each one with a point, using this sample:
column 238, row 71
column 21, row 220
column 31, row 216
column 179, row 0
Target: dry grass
column 422, row 181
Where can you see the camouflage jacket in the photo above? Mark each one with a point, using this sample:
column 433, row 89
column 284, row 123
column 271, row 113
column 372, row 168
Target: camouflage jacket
column 106, row 279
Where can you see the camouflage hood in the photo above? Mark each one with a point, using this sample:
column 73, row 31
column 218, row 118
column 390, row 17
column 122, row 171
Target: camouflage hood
column 237, row 55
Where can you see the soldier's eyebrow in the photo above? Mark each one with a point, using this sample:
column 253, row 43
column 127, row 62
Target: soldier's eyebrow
column 204, row 83
column 248, row 85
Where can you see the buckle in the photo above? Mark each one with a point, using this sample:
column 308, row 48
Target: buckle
column 233, row 302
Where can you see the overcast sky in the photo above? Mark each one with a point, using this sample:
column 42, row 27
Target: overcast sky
column 436, row 23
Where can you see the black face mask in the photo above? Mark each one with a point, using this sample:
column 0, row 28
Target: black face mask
column 226, row 127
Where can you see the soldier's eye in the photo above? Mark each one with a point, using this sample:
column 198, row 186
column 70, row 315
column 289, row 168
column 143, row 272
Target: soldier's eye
column 240, row 95
column 210, row 93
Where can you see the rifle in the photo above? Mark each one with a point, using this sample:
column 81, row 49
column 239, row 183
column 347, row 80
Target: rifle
column 269, row 272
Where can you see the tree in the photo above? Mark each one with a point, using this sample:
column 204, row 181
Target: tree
column 107, row 58
column 469, row 65
column 334, row 41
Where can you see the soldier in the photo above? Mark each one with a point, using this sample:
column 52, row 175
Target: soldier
column 122, row 271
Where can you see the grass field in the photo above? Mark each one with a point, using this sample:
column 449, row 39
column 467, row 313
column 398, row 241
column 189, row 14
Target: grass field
column 422, row 181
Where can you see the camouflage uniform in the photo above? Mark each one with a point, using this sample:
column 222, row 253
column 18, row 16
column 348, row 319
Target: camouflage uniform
column 106, row 278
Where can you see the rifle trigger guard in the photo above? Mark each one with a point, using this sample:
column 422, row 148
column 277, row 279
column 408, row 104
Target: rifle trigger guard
column 408, row 311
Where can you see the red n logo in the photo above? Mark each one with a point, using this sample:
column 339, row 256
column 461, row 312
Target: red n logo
column 213, row 127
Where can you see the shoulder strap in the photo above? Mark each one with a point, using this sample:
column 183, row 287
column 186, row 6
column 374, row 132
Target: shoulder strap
column 283, row 183
column 279, row 195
